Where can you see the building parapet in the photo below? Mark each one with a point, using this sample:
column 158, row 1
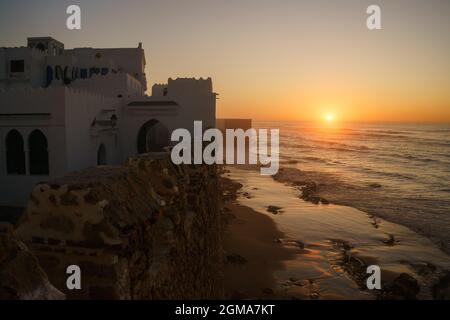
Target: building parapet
column 144, row 230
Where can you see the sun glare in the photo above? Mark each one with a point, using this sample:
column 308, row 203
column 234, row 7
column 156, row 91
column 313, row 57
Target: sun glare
column 329, row 118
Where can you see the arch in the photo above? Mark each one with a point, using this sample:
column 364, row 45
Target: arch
column 38, row 145
column 152, row 137
column 15, row 153
column 101, row 155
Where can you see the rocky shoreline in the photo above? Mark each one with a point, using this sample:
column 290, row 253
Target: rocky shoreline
column 325, row 188
column 410, row 280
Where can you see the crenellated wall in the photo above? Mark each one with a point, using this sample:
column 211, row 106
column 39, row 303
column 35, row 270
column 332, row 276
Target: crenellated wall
column 144, row 230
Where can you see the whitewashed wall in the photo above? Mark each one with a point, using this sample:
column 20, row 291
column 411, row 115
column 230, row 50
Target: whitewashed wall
column 14, row 189
column 82, row 108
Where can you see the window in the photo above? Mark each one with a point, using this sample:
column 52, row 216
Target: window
column 17, row 66
column 101, row 156
column 15, row 154
column 38, row 153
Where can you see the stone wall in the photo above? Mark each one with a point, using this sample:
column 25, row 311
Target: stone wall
column 21, row 277
column 144, row 230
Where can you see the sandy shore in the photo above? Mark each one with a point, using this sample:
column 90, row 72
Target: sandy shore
column 251, row 235
column 278, row 246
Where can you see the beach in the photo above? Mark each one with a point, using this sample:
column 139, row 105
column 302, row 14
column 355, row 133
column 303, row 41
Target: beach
column 279, row 246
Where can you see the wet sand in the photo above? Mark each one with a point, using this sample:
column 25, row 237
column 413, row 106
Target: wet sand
column 306, row 251
column 251, row 254
column 376, row 199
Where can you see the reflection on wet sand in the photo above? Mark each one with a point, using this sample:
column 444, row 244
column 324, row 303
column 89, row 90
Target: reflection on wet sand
column 321, row 251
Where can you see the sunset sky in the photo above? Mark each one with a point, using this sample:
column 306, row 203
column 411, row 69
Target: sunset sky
column 272, row 59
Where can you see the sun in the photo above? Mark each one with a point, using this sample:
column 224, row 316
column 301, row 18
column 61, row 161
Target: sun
column 329, row 117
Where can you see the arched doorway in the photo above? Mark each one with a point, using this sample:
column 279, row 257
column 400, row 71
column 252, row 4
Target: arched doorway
column 38, row 146
column 101, row 155
column 15, row 153
column 152, row 137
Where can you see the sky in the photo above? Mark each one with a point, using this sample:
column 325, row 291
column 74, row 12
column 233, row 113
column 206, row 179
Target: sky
column 272, row 59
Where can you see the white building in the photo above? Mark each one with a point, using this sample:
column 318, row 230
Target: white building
column 63, row 110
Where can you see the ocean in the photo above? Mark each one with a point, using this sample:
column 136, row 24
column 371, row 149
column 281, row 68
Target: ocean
column 400, row 172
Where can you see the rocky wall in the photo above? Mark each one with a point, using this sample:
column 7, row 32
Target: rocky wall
column 21, row 276
column 144, row 230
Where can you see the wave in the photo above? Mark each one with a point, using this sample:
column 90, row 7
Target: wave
column 387, row 173
column 315, row 147
column 417, row 158
column 316, row 159
column 334, row 143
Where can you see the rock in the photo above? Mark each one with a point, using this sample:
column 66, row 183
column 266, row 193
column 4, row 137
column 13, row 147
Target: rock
column 314, row 296
column 21, row 276
column 375, row 222
column 300, row 244
column 314, row 199
column 403, row 287
column 441, row 290
column 311, row 185
column 236, row 259
column 273, row 209
column 247, row 195
column 424, row 268
column 391, row 241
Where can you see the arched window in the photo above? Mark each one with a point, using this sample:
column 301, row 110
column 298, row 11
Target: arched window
column 101, row 155
column 153, row 136
column 38, row 145
column 40, row 46
column 15, row 154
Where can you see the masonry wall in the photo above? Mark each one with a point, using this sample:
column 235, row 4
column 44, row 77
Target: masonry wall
column 197, row 99
column 21, row 277
column 82, row 107
column 115, row 85
column 34, row 68
column 144, row 230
